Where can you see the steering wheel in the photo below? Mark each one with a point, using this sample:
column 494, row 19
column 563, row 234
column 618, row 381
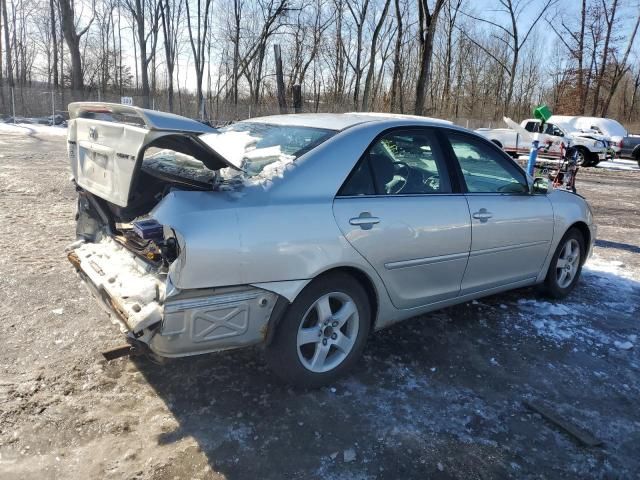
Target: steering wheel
column 432, row 182
column 405, row 178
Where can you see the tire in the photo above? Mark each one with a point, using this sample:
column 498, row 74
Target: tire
column 566, row 265
column 583, row 158
column 306, row 359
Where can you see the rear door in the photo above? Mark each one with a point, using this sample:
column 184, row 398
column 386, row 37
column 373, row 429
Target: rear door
column 399, row 211
column 511, row 228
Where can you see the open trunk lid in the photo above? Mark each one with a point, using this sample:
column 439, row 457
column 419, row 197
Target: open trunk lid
column 106, row 143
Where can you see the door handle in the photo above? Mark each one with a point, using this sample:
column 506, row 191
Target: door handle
column 365, row 221
column 483, row 215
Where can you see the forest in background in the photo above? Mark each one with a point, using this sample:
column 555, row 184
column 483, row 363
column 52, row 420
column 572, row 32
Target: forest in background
column 230, row 59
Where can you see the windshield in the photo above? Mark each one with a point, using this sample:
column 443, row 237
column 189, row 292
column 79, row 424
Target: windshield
column 252, row 146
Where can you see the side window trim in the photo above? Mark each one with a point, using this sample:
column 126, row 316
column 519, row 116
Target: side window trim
column 441, row 144
column 502, row 156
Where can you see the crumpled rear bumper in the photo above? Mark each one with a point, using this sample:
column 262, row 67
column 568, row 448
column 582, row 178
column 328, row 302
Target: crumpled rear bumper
column 172, row 323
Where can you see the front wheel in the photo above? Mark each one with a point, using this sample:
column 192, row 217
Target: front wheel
column 582, row 158
column 566, row 265
column 322, row 334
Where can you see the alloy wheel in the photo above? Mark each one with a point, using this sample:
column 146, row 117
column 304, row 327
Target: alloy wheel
column 568, row 263
column 328, row 332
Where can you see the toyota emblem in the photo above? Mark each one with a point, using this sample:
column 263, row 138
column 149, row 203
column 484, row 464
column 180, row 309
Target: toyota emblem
column 93, row 133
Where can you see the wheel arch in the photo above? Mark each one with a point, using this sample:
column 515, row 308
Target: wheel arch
column 583, row 228
column 357, row 274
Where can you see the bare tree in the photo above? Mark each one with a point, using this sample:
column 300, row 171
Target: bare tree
column 427, row 24
column 574, row 41
column 146, row 17
column 511, row 37
column 609, row 16
column 359, row 13
column 170, row 13
column 68, row 19
column 620, row 68
column 197, row 38
column 396, row 78
column 372, row 57
column 7, row 43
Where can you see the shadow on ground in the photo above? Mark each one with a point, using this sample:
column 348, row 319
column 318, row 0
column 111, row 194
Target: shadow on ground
column 439, row 396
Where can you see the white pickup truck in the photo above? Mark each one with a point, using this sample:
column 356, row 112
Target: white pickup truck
column 592, row 148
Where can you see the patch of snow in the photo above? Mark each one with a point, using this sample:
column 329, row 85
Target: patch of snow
column 619, row 164
column 32, row 129
column 563, row 322
column 58, row 311
column 349, row 455
column 623, row 345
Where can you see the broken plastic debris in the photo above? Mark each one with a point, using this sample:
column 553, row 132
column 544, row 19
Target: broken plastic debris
column 349, row 455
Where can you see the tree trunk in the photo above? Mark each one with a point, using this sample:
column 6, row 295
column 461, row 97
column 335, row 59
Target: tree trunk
column 73, row 43
column 7, row 44
column 621, row 69
column 427, row 31
column 282, row 100
column 605, row 55
column 372, row 62
column 144, row 74
column 396, row 79
column 582, row 94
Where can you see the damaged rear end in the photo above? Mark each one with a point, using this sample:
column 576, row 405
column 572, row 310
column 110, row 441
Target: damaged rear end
column 129, row 165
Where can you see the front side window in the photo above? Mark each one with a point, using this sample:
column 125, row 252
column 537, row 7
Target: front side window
column 553, row 130
column 485, row 170
column 407, row 162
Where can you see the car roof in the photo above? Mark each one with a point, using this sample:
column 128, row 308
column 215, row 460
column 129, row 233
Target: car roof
column 340, row 121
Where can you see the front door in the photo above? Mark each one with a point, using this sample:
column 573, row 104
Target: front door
column 398, row 210
column 511, row 228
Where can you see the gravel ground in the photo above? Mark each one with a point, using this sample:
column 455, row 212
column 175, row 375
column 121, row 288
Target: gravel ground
column 440, row 396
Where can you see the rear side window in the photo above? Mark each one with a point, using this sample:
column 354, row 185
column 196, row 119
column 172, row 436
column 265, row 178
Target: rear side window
column 401, row 162
column 485, row 170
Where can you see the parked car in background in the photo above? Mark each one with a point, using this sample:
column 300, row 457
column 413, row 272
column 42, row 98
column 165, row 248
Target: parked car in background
column 591, row 148
column 304, row 233
column 610, row 129
column 630, row 148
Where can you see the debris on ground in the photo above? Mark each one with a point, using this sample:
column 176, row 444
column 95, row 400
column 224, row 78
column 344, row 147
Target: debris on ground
column 582, row 435
column 349, row 455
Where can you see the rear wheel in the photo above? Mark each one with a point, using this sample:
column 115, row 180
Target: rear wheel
column 566, row 265
column 323, row 332
column 583, row 158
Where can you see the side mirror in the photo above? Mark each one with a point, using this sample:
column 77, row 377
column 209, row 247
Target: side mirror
column 540, row 185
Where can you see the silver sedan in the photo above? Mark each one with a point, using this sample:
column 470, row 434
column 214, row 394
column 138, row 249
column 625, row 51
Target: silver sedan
column 304, row 233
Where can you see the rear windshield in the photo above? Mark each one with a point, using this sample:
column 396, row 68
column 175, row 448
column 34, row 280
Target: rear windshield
column 254, row 146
